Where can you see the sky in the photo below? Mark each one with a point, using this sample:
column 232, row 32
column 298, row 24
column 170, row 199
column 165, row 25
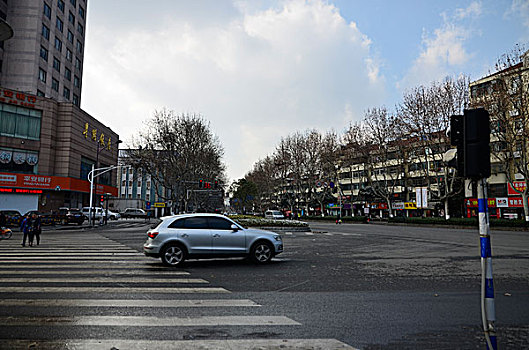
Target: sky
column 260, row 70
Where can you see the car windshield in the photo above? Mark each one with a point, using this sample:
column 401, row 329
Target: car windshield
column 11, row 212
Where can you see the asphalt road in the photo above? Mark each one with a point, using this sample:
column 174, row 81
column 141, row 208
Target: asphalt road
column 368, row 286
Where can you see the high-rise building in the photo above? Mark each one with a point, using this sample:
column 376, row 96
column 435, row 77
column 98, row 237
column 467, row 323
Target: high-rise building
column 45, row 56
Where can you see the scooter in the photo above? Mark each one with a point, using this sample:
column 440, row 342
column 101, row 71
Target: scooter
column 5, row 233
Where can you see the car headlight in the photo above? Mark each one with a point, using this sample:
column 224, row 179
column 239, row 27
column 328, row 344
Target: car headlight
column 277, row 238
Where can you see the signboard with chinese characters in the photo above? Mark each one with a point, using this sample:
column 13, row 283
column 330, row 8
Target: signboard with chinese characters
column 519, row 185
column 17, row 98
column 158, row 204
column 92, row 133
column 51, row 183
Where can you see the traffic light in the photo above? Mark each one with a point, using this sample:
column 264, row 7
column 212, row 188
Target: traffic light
column 102, row 199
column 200, row 184
column 216, row 184
column 471, row 134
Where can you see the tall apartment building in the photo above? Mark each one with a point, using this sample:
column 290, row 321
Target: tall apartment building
column 45, row 56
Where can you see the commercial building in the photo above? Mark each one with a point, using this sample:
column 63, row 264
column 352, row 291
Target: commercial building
column 47, row 149
column 48, row 144
column 45, row 56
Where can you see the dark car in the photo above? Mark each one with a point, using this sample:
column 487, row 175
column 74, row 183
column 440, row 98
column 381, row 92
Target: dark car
column 133, row 213
column 67, row 216
column 45, row 218
column 13, row 217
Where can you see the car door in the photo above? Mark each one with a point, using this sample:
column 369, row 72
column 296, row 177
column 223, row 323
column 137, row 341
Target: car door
column 194, row 232
column 225, row 240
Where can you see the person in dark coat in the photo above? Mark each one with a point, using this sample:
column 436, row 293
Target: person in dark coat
column 3, row 220
column 26, row 227
column 35, row 228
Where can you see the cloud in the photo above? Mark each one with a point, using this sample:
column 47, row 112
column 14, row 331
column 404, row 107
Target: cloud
column 444, row 51
column 258, row 75
column 519, row 10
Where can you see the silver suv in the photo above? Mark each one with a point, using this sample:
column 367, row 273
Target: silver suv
column 195, row 236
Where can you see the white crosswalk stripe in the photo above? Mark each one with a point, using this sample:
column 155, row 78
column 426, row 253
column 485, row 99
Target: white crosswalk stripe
column 84, row 272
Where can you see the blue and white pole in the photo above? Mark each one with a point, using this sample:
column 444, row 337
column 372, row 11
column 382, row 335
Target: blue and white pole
column 488, row 314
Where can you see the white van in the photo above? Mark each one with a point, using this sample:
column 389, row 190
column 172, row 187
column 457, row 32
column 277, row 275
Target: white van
column 274, row 214
column 97, row 213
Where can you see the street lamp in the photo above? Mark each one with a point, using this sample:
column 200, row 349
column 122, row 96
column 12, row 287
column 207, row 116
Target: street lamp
column 93, row 177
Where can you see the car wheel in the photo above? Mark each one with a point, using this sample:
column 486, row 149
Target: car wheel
column 173, row 255
column 262, row 252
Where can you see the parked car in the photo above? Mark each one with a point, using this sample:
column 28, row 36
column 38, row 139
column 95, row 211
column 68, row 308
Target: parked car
column 45, row 218
column 112, row 215
column 13, row 217
column 179, row 237
column 70, row 215
column 274, row 214
column 133, row 213
column 97, row 212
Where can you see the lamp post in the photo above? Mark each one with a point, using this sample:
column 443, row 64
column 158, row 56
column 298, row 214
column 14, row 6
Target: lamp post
column 93, row 177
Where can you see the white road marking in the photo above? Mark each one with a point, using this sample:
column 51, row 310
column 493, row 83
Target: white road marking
column 148, row 321
column 111, row 279
column 176, row 303
column 162, row 290
column 239, row 344
column 100, row 271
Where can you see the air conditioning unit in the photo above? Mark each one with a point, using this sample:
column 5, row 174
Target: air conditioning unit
column 518, row 176
column 517, row 154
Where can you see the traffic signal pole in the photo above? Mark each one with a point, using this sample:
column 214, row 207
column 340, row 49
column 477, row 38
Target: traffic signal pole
column 470, row 133
column 488, row 314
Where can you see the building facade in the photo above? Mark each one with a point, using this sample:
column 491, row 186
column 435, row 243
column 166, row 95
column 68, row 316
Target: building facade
column 45, row 57
column 47, row 149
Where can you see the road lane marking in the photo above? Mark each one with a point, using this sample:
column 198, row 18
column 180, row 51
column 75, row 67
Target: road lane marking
column 110, row 271
column 111, row 279
column 135, row 344
column 81, row 265
column 64, row 254
column 175, row 303
column 48, row 258
column 161, row 290
column 148, row 321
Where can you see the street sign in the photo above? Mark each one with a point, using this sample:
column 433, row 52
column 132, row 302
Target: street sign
column 147, row 205
column 159, row 204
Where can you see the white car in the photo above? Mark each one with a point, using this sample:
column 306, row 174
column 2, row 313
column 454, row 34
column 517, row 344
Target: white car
column 274, row 214
column 179, row 237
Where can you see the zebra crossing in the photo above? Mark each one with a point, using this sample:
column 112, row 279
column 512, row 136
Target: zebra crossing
column 81, row 290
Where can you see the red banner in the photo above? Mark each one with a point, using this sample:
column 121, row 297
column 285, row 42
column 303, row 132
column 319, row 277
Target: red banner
column 473, row 202
column 519, row 185
column 52, row 183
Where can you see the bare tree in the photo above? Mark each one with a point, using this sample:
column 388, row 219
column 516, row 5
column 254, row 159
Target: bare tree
column 505, row 94
column 178, row 151
column 425, row 115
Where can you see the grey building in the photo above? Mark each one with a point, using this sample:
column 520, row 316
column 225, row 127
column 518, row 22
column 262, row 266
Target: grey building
column 45, row 56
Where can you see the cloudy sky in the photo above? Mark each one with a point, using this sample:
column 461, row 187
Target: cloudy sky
column 258, row 70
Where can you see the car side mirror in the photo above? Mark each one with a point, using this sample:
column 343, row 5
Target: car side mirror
column 234, row 227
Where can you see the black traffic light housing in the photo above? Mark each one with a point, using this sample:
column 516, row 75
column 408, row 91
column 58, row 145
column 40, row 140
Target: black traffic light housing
column 470, row 133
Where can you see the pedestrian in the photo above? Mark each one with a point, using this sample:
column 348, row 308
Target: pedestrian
column 3, row 220
column 36, row 228
column 25, row 227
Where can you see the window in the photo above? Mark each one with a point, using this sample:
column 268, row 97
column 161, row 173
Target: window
column 45, row 32
column 79, row 47
column 58, row 44
column 59, row 24
column 69, row 55
column 66, row 93
column 40, row 93
column 196, row 223
column 177, row 224
column 44, row 53
column 60, row 5
column 76, row 100
column 86, row 167
column 77, row 63
column 47, row 10
column 68, row 74
column 42, row 75
column 80, row 28
column 81, row 12
column 54, row 84
column 19, row 122
column 76, row 81
column 219, row 224
column 56, row 64
column 73, row 2
column 70, row 36
column 71, row 18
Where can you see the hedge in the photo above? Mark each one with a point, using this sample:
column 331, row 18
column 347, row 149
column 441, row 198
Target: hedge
column 355, row 219
column 256, row 221
column 459, row 222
